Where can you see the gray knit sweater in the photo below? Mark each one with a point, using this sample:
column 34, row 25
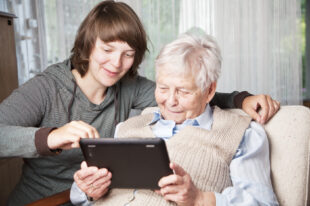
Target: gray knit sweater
column 47, row 101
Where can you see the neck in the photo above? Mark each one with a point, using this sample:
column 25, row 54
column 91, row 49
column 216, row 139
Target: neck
column 94, row 92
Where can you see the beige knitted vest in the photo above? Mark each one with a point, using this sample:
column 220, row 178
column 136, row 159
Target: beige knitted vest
column 206, row 155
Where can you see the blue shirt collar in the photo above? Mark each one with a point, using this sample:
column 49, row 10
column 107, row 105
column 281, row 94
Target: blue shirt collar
column 167, row 128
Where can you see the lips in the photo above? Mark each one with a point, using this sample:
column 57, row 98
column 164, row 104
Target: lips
column 171, row 111
column 110, row 73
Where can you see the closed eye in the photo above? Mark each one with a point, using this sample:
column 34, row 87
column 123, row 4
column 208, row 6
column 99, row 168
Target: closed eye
column 163, row 89
column 107, row 50
column 183, row 91
column 130, row 54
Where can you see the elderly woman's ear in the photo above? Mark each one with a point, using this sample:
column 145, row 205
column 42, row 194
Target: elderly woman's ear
column 211, row 91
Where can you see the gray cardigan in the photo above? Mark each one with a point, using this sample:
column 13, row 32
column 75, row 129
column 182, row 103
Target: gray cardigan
column 49, row 101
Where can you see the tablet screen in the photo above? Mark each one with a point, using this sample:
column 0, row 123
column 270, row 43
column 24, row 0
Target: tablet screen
column 133, row 162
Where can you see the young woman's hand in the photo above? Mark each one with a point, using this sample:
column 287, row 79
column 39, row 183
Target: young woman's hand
column 268, row 106
column 68, row 136
column 92, row 181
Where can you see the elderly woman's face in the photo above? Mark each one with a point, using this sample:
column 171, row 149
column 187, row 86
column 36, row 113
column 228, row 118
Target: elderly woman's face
column 178, row 96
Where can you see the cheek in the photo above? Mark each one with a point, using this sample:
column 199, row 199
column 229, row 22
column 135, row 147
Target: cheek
column 98, row 58
column 128, row 64
column 160, row 99
column 157, row 97
column 192, row 105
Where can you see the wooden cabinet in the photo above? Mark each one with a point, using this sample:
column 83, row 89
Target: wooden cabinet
column 10, row 172
column 10, row 169
column 8, row 64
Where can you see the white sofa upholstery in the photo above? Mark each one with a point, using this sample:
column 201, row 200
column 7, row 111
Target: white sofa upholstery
column 289, row 134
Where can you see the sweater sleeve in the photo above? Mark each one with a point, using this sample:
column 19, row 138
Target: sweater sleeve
column 229, row 100
column 20, row 116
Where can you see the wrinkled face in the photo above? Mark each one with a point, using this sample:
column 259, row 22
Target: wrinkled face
column 109, row 62
column 178, row 96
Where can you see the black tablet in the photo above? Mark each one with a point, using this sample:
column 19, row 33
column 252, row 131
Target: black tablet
column 133, row 162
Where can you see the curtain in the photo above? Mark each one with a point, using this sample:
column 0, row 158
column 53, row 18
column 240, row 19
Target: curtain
column 3, row 6
column 45, row 31
column 28, row 42
column 63, row 17
column 161, row 21
column 307, row 52
column 260, row 40
column 260, row 43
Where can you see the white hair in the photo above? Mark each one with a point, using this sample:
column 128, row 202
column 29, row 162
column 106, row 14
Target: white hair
column 191, row 53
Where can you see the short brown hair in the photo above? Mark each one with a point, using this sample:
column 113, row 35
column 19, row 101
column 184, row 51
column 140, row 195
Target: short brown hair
column 110, row 21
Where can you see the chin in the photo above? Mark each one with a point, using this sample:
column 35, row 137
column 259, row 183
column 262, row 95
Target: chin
column 109, row 83
column 177, row 120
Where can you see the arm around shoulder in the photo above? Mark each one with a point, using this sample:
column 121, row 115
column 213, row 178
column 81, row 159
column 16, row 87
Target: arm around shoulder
column 229, row 100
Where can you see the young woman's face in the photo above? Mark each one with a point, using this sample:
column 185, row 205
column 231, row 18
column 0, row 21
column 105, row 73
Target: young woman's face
column 109, row 62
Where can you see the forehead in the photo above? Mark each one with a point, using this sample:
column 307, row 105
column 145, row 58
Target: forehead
column 170, row 77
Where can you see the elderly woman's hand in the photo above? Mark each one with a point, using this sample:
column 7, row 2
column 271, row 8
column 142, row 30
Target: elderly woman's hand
column 92, row 181
column 269, row 107
column 179, row 188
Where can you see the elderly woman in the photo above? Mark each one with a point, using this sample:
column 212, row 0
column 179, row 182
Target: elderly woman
column 218, row 158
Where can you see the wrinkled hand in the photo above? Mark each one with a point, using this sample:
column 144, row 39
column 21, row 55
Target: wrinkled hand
column 179, row 187
column 93, row 181
column 68, row 136
column 268, row 106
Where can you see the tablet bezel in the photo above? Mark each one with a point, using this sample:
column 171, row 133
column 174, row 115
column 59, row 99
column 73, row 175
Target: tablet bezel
column 134, row 162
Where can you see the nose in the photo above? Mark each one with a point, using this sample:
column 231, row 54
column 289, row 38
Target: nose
column 172, row 99
column 116, row 60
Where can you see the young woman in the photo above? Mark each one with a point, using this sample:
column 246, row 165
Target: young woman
column 83, row 97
